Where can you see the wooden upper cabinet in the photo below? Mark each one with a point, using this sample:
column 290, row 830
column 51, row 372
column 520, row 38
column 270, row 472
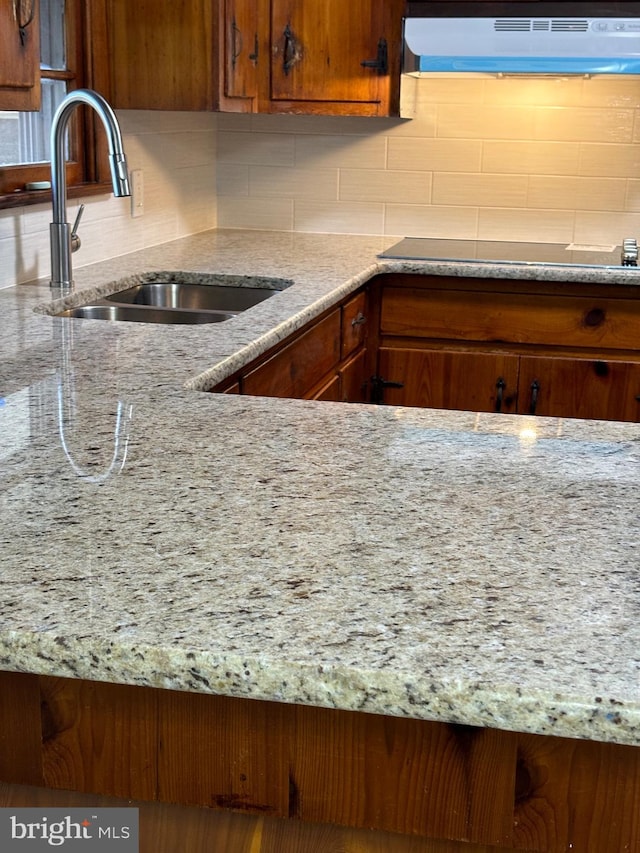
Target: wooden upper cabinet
column 19, row 55
column 302, row 56
column 335, row 57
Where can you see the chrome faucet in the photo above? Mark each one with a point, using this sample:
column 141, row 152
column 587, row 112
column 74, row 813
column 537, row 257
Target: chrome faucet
column 63, row 238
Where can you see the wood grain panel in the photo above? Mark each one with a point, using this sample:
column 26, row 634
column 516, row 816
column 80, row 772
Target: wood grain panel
column 406, row 776
column 99, row 737
column 19, row 57
column 169, row 829
column 450, row 379
column 20, row 729
column 354, row 384
column 222, row 752
column 576, row 795
column 317, row 47
column 580, row 388
column 541, row 319
column 299, row 366
column 354, row 324
column 162, row 54
column 341, row 768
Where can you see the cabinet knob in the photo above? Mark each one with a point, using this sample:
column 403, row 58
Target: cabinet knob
column 359, row 319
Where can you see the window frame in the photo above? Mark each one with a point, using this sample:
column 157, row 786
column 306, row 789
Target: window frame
column 86, row 171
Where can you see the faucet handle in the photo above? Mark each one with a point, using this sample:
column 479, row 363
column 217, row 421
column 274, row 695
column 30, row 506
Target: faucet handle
column 75, row 240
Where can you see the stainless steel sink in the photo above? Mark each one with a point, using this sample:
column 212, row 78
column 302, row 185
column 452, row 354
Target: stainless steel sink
column 193, row 297
column 176, row 297
column 144, row 314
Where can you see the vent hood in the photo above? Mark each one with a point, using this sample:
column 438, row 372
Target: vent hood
column 540, row 44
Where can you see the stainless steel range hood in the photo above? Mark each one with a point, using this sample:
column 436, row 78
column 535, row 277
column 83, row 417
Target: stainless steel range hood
column 517, row 42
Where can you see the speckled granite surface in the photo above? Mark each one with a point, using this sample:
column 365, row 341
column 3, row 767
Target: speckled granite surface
column 480, row 569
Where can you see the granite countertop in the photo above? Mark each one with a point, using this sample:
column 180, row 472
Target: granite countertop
column 471, row 568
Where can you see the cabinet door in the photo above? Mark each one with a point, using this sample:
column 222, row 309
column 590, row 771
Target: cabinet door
column 162, row 55
column 446, row 379
column 579, row 388
column 241, row 49
column 354, row 380
column 317, row 52
column 19, row 55
column 296, row 369
column 354, row 324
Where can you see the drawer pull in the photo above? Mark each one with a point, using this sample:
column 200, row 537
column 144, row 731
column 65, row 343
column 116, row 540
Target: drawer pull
column 359, row 319
column 500, row 386
column 533, row 399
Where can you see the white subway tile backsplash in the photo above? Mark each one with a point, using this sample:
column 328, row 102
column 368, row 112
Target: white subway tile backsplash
column 583, row 125
column 338, row 217
column 293, row 183
column 516, row 157
column 319, row 151
column 384, row 186
column 455, row 188
column 615, row 161
column 257, row 149
column 271, row 214
column 562, row 193
column 413, row 220
column 526, row 225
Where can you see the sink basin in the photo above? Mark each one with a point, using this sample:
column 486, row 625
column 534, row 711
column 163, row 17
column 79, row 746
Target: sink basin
column 194, row 297
column 175, row 297
column 144, row 314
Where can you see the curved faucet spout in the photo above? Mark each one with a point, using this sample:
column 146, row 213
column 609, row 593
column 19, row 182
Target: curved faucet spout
column 60, row 230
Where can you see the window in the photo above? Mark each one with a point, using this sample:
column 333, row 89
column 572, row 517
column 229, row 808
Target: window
column 24, row 136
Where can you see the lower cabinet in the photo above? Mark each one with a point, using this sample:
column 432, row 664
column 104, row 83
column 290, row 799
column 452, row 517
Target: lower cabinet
column 499, row 382
column 326, row 360
column 470, row 344
column 540, row 348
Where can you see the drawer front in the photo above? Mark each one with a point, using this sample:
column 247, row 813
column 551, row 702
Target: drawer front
column 303, row 363
column 354, row 324
column 510, row 317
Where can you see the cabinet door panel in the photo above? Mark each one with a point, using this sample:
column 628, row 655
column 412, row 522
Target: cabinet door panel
column 354, row 324
column 162, row 55
column 446, row 379
column 241, row 48
column 317, row 47
column 580, row 388
column 296, row 369
column 19, row 56
column 353, row 378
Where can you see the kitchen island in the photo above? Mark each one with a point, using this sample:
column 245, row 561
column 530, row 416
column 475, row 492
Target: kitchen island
column 476, row 573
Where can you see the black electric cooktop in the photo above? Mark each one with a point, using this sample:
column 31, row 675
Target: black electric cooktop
column 489, row 251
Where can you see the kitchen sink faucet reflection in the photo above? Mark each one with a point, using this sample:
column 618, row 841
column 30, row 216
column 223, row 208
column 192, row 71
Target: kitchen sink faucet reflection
column 63, row 238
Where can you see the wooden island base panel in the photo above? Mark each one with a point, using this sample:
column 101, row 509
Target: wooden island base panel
column 272, row 776
column 192, row 829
